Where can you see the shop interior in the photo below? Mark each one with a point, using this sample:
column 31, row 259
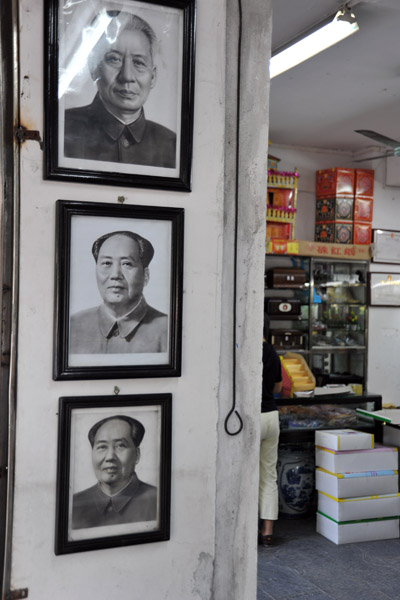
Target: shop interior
column 338, row 340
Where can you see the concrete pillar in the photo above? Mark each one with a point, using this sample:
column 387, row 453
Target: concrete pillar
column 238, row 455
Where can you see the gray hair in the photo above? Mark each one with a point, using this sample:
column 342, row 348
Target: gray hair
column 121, row 21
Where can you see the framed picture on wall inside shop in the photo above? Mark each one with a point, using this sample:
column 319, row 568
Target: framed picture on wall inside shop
column 119, row 92
column 114, row 471
column 118, row 301
column 384, row 289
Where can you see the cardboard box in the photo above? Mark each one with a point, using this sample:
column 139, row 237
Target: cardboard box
column 364, row 183
column 335, row 182
column 335, row 232
column 319, row 249
column 351, row 485
column 380, row 458
column 362, row 233
column 357, row 531
column 363, row 209
column 364, row 507
column 344, row 439
column 331, row 209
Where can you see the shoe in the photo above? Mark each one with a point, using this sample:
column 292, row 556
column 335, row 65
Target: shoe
column 265, row 540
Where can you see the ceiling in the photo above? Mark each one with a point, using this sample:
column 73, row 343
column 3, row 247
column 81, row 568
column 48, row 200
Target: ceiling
column 352, row 85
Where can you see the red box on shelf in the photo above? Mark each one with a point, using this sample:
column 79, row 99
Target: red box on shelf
column 363, row 209
column 364, row 183
column 279, row 230
column 336, row 182
column 280, row 197
column 334, row 232
column 362, row 233
column 333, row 209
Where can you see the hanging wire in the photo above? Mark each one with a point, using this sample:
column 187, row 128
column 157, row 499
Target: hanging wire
column 236, row 228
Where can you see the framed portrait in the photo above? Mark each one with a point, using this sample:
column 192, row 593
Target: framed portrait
column 113, row 471
column 118, row 301
column 119, row 92
column 384, row 289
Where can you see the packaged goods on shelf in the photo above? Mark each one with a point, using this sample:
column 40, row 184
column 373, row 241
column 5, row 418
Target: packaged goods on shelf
column 286, row 277
column 286, row 338
column 362, row 233
column 281, row 204
column 363, row 209
column 281, row 198
column 364, row 183
column 380, row 458
column 357, row 531
column 335, row 182
column 283, row 307
column 279, row 230
column 332, row 209
column 336, row 232
column 351, row 485
column 344, row 439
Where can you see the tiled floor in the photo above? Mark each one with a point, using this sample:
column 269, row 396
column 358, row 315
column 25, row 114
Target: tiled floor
column 303, row 565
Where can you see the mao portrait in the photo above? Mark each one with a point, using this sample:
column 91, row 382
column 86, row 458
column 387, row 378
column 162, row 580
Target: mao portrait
column 114, row 471
column 119, row 496
column 118, row 292
column 122, row 78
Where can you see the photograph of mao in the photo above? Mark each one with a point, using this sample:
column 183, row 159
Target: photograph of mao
column 118, row 292
column 120, row 87
column 114, row 470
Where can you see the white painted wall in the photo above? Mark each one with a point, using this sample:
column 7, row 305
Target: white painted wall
column 383, row 323
column 194, row 563
column 182, row 567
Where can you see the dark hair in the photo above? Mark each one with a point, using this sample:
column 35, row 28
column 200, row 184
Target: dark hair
column 146, row 250
column 121, row 21
column 137, row 429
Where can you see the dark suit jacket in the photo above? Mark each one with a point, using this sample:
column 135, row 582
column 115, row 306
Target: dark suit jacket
column 92, row 508
column 93, row 133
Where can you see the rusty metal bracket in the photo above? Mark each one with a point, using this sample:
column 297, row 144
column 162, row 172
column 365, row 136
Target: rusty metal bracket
column 17, row 594
column 22, row 134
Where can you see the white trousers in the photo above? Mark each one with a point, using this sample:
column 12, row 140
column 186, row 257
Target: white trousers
column 268, row 488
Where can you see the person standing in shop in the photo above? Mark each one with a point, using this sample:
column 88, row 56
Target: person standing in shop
column 268, row 487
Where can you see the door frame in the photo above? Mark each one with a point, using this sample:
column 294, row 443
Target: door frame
column 9, row 265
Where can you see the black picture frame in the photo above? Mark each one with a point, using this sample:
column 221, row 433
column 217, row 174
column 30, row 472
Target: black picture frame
column 84, row 344
column 82, row 471
column 384, row 289
column 73, row 150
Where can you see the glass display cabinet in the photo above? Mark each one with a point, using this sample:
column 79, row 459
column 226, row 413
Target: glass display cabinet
column 317, row 307
column 338, row 324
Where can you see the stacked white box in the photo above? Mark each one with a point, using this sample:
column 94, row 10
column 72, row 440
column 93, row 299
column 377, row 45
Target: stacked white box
column 357, row 483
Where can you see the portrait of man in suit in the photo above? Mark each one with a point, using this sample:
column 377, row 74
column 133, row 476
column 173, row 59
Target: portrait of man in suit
column 114, row 127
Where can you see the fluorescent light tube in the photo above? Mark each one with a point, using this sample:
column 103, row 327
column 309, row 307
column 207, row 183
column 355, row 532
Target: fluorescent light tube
column 342, row 25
